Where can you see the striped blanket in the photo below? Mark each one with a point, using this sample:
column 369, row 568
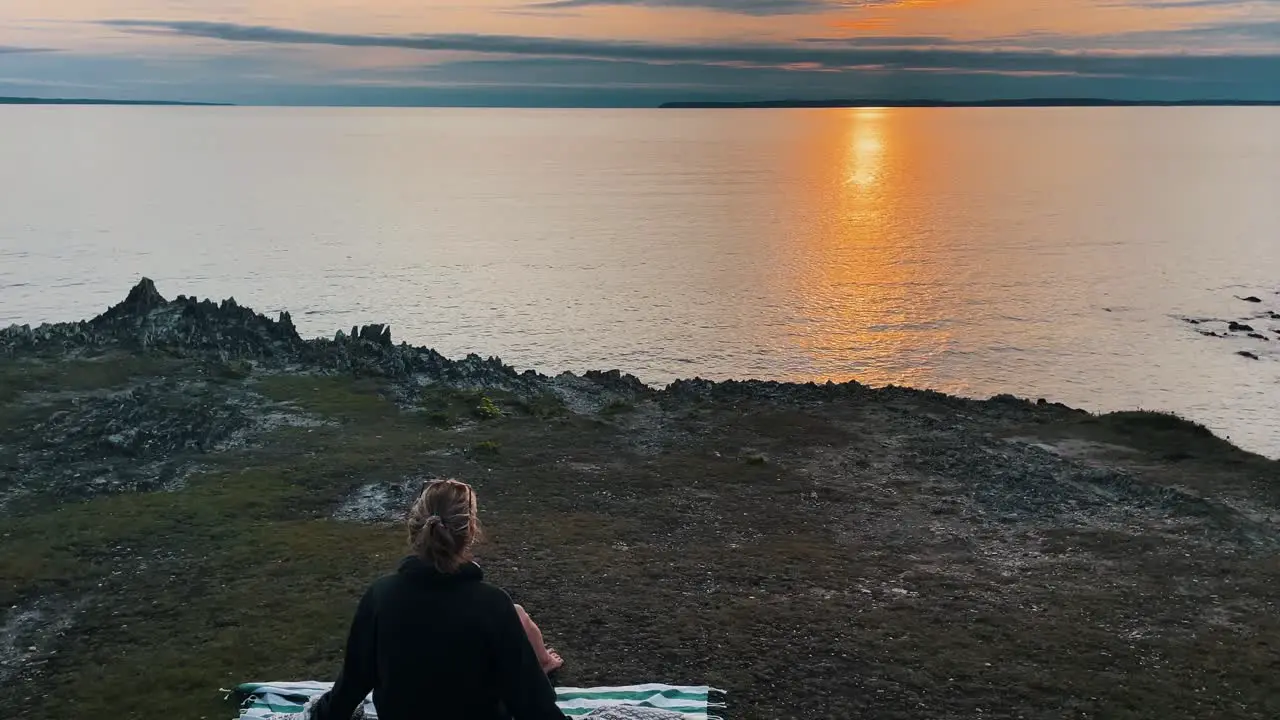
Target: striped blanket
column 264, row 701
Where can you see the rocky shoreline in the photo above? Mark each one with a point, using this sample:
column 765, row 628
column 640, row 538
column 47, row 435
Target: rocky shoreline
column 142, row 437
column 826, row 550
column 1258, row 330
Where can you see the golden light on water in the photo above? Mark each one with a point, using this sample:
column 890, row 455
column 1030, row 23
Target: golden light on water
column 866, row 146
column 870, row 278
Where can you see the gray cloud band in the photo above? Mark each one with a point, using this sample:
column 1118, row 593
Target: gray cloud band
column 826, row 55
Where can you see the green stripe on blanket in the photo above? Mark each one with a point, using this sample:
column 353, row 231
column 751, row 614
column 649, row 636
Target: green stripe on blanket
column 264, row 701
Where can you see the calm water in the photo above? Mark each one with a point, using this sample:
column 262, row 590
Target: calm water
column 1044, row 252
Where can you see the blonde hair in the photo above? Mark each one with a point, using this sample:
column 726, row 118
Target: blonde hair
column 443, row 526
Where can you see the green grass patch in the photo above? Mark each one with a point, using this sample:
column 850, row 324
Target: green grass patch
column 441, row 419
column 447, row 406
column 237, row 576
column 1143, row 421
column 617, row 407
column 107, row 371
column 232, row 370
column 486, row 410
column 545, row 405
column 340, row 397
column 60, row 546
column 1163, row 434
column 269, row 601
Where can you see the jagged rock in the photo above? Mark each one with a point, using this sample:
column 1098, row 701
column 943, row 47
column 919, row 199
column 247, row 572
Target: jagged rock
column 142, row 299
column 1234, row 326
column 1258, row 336
column 618, row 381
column 146, row 321
column 227, row 331
column 380, row 334
column 1247, row 354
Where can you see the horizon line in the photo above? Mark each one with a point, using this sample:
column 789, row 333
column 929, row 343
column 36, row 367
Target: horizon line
column 787, row 103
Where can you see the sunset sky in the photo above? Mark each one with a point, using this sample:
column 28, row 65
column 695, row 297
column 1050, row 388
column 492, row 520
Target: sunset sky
column 635, row 52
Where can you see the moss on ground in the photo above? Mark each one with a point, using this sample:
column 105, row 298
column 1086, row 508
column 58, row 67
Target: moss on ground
column 338, row 398
column 451, row 406
column 243, row 563
column 104, row 372
column 617, row 407
column 1173, row 437
column 761, row 550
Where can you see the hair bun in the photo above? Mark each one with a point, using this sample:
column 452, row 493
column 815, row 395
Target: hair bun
column 442, row 524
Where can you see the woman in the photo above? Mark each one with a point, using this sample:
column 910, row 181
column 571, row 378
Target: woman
column 434, row 641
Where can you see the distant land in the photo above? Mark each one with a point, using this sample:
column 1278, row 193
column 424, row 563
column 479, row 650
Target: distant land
column 1023, row 102
column 95, row 101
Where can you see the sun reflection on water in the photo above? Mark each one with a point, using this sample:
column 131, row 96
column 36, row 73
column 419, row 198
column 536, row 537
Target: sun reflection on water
column 870, row 282
column 866, row 156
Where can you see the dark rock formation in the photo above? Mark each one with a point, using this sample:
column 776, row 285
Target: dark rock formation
column 1247, row 354
column 619, row 382
column 142, row 299
column 226, row 331
column 1234, row 326
column 146, row 321
column 1252, row 299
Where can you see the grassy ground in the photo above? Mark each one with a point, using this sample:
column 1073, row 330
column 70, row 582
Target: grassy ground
column 785, row 553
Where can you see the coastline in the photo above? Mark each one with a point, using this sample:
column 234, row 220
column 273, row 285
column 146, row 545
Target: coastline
column 200, row 493
column 105, row 101
column 931, row 103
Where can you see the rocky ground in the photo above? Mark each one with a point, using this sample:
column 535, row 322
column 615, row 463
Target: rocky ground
column 191, row 495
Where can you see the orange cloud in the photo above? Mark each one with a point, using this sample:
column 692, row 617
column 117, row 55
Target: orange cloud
column 871, row 23
column 899, row 4
column 889, row 14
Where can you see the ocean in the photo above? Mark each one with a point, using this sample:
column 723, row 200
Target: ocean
column 1044, row 252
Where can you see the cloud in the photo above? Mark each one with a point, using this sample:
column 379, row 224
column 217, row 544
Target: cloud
column 1252, row 38
column 861, row 24
column 1175, row 4
column 852, row 53
column 737, row 7
column 1253, row 29
column 13, row 50
column 894, row 41
column 298, row 75
column 740, row 7
column 277, row 65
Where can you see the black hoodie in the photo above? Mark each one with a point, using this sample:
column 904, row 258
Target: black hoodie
column 436, row 646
